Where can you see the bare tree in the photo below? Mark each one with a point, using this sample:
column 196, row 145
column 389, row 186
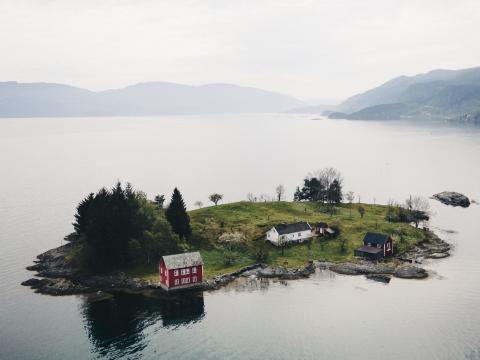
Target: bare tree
column 280, row 191
column 198, row 204
column 215, row 198
column 419, row 209
column 350, row 196
column 252, row 198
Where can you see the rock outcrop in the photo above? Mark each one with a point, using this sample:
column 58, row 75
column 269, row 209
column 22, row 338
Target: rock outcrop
column 452, row 198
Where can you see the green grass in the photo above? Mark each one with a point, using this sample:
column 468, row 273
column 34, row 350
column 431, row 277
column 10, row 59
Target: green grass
column 254, row 219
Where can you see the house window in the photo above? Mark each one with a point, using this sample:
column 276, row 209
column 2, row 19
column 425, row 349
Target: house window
column 182, row 271
column 177, row 281
column 194, row 279
column 187, row 271
column 175, row 273
column 194, row 270
column 388, row 246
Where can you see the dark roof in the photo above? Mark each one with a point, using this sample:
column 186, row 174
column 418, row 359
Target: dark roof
column 375, row 238
column 292, row 228
column 184, row 260
column 322, row 225
column 370, row 249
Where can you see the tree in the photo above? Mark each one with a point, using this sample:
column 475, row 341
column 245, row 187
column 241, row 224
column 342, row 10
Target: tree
column 418, row 208
column 361, row 211
column 177, row 216
column 350, row 196
column 297, row 196
column 334, row 193
column 159, row 201
column 252, row 198
column 198, row 204
column 280, row 191
column 215, row 198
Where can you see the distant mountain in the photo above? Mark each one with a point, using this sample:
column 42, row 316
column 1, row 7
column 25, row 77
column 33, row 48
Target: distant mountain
column 438, row 94
column 153, row 98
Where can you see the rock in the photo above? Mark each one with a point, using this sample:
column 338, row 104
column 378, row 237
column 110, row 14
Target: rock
column 362, row 268
column 34, row 283
column 410, row 272
column 379, row 277
column 452, row 198
column 438, row 255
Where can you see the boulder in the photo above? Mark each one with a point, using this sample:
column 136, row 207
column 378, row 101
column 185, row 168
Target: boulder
column 410, row 272
column 452, row 198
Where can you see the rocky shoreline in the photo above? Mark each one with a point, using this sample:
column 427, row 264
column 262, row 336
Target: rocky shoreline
column 54, row 276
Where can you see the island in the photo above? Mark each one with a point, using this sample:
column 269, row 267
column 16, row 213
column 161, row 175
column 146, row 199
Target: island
column 231, row 239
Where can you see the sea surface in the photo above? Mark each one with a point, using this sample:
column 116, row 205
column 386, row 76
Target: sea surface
column 48, row 165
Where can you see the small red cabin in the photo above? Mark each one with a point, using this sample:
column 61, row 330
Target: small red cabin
column 181, row 271
column 375, row 246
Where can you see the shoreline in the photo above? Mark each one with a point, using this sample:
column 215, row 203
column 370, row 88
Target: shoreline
column 54, row 276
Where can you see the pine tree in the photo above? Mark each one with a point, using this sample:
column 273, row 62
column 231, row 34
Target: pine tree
column 177, row 216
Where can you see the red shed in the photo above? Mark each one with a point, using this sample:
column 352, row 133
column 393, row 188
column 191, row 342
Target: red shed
column 375, row 246
column 181, row 271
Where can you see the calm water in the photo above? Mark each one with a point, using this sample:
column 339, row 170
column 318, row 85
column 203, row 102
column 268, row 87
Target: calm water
column 48, row 165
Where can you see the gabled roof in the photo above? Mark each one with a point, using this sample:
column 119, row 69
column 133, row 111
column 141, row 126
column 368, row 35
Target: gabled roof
column 184, row 260
column 375, row 238
column 283, row 229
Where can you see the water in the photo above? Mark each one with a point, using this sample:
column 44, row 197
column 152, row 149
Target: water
column 48, row 165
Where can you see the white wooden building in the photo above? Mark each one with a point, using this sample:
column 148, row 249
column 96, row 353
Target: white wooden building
column 291, row 233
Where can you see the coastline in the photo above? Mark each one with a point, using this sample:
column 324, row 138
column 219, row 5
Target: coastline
column 54, row 276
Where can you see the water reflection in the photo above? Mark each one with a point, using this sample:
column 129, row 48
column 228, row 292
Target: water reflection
column 115, row 325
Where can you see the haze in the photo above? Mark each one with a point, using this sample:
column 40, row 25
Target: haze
column 308, row 49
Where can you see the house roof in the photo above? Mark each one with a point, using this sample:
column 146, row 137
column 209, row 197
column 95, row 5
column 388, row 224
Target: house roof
column 370, row 249
column 375, row 238
column 283, row 229
column 322, row 225
column 184, row 260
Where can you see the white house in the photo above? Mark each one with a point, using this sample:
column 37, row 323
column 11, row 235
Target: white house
column 291, row 233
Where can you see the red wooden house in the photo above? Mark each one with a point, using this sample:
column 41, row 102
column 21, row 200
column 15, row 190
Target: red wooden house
column 181, row 271
column 375, row 246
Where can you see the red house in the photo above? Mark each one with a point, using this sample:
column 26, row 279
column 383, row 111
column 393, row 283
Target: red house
column 375, row 246
column 181, row 271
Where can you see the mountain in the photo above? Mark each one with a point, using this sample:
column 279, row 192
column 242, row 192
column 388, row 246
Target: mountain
column 438, row 94
column 152, row 98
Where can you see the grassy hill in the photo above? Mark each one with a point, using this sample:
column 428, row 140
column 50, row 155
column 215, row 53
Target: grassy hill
column 252, row 220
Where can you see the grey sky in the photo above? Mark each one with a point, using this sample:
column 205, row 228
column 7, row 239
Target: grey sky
column 303, row 48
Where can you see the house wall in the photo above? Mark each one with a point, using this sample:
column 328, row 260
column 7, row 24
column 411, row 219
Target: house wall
column 388, row 248
column 293, row 237
column 272, row 236
column 194, row 278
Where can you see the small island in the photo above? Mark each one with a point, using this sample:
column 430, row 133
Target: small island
column 121, row 236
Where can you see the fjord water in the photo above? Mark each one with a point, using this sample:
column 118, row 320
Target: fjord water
column 48, row 165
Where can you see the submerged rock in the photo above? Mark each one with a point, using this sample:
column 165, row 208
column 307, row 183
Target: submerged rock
column 452, row 198
column 379, row 277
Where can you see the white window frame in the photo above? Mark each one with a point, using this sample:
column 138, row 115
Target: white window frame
column 388, row 246
column 175, row 272
column 177, row 281
column 194, row 270
column 194, row 279
column 187, row 271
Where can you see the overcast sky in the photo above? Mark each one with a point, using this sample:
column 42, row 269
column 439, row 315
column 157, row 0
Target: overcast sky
column 329, row 49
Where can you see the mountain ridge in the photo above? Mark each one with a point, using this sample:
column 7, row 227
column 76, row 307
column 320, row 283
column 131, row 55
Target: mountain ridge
column 42, row 99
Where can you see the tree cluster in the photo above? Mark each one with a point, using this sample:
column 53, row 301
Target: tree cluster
column 119, row 226
column 325, row 186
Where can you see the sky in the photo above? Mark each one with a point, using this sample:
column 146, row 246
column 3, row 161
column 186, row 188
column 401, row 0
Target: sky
column 308, row 49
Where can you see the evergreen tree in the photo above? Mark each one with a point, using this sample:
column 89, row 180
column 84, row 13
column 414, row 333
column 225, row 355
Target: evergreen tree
column 334, row 193
column 177, row 216
column 298, row 195
column 159, row 201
